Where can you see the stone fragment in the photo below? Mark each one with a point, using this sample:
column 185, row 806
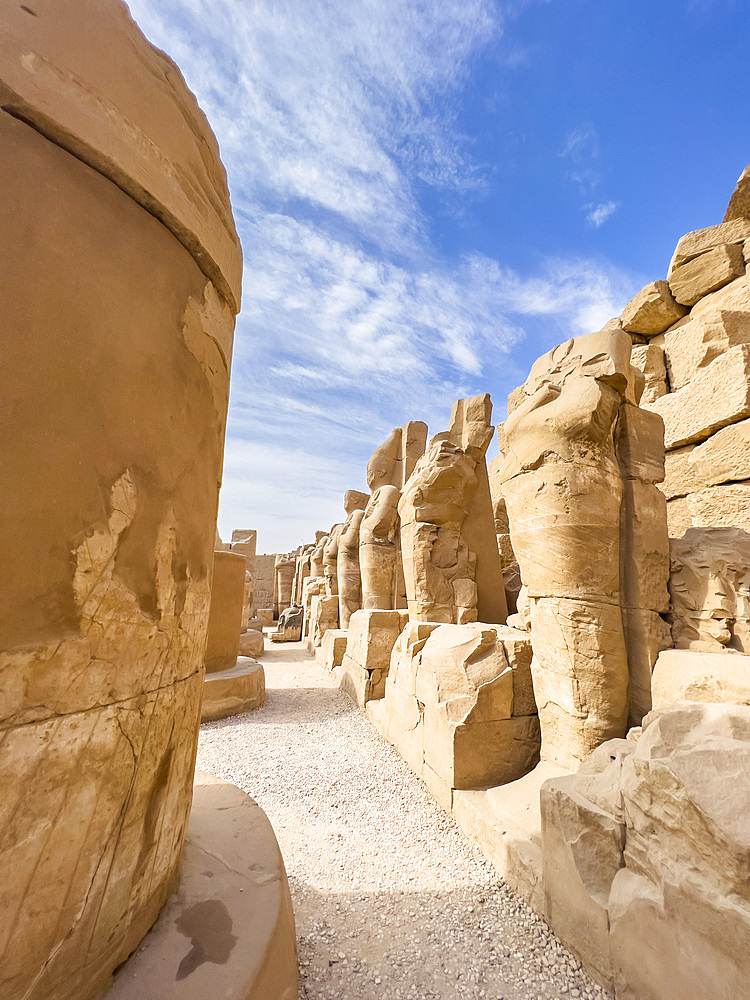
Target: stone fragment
column 694, row 244
column 739, row 204
column 232, row 692
column 252, row 644
column 711, row 270
column 370, row 640
column 723, row 457
column 734, row 297
column 264, row 584
column 686, row 675
column 324, row 615
column 650, row 360
column 652, row 310
column 716, row 396
column 639, row 444
column 290, row 626
column 330, row 652
column 710, row 589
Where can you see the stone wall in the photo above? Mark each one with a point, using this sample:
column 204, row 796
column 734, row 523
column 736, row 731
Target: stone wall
column 120, row 279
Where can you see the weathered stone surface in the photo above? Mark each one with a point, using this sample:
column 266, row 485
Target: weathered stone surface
column 696, row 344
column 231, row 692
column 284, row 566
column 118, row 318
column 639, row 444
column 709, row 588
column 232, row 902
column 701, row 275
column 225, row 615
column 264, row 584
column 265, row 616
column 693, row 244
column 652, row 310
column 686, row 675
column 316, row 556
column 330, row 561
column 438, row 567
column 649, row 358
column 716, row 396
column 371, row 637
column 378, row 549
column 313, row 587
column 289, row 627
column 330, row 653
column 348, row 573
column 717, row 506
column 724, row 457
column 680, row 477
column 678, row 517
column 252, row 644
column 452, row 705
column 734, row 297
column 324, row 615
column 680, row 909
column 739, row 203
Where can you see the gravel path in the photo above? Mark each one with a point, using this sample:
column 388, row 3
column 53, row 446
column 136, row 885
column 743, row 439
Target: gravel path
column 391, row 902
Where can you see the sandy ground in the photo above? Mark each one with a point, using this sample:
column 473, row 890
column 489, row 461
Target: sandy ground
column 391, row 901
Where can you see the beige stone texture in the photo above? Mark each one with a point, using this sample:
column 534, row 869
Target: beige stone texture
column 313, row 587
column 709, row 585
column 717, row 506
column 680, row 477
column 232, row 692
column 699, row 242
column 453, row 705
column 438, row 566
column 330, row 652
column 245, row 541
column 739, row 203
column 284, row 566
column 651, row 311
column 324, row 615
column 316, row 556
column 252, row 644
column 330, row 561
column 713, row 269
column 680, row 908
column 723, row 457
column 370, row 640
column 392, row 463
column 649, row 358
column 639, row 444
column 678, row 517
column 696, row 344
column 265, row 616
column 716, row 396
column 471, row 430
column 348, row 574
column 686, row 675
column 378, row 549
column 120, row 278
column 225, row 615
column 734, row 297
column 264, row 584
column 228, row 930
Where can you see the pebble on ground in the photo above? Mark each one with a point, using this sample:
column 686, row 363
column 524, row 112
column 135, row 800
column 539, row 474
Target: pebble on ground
column 391, row 901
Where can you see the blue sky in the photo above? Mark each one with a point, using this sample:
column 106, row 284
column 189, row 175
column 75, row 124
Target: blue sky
column 432, row 193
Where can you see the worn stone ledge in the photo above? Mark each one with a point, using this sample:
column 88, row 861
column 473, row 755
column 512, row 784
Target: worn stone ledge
column 231, row 692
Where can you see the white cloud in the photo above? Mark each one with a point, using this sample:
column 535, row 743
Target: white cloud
column 330, row 115
column 597, row 215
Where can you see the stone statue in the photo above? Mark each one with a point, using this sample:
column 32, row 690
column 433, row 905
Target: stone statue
column 316, row 558
column 330, row 560
column 347, row 562
column 378, row 550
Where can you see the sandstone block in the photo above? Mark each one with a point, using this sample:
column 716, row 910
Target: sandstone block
column 734, row 297
column 694, row 244
column 713, row 269
column 680, row 477
column 650, row 360
column 647, row 633
column 721, row 506
column 723, row 457
column 265, row 616
column 717, row 395
column 639, row 444
column 644, row 547
column 697, row 343
column 232, row 692
column 678, row 517
column 652, row 310
column 252, row 644
column 684, row 675
column 324, row 615
column 739, row 204
column 370, row 640
column 330, row 653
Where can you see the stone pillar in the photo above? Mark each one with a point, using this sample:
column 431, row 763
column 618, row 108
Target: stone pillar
column 284, row 576
column 225, row 615
column 378, row 551
column 120, row 279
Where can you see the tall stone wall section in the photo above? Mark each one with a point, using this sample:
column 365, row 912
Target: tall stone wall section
column 120, row 279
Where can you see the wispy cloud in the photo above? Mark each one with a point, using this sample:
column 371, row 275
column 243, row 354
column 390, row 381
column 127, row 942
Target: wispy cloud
column 597, row 215
column 331, row 117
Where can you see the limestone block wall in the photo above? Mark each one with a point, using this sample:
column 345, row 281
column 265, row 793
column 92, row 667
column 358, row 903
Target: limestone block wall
column 120, row 279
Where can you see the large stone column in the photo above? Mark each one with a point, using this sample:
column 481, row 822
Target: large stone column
column 120, row 279
column 225, row 614
column 564, row 489
column 284, row 567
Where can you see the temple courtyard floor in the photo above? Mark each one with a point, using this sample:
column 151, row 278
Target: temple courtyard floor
column 391, row 901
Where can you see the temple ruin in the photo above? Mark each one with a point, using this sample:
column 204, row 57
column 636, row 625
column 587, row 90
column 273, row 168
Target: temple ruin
column 556, row 641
